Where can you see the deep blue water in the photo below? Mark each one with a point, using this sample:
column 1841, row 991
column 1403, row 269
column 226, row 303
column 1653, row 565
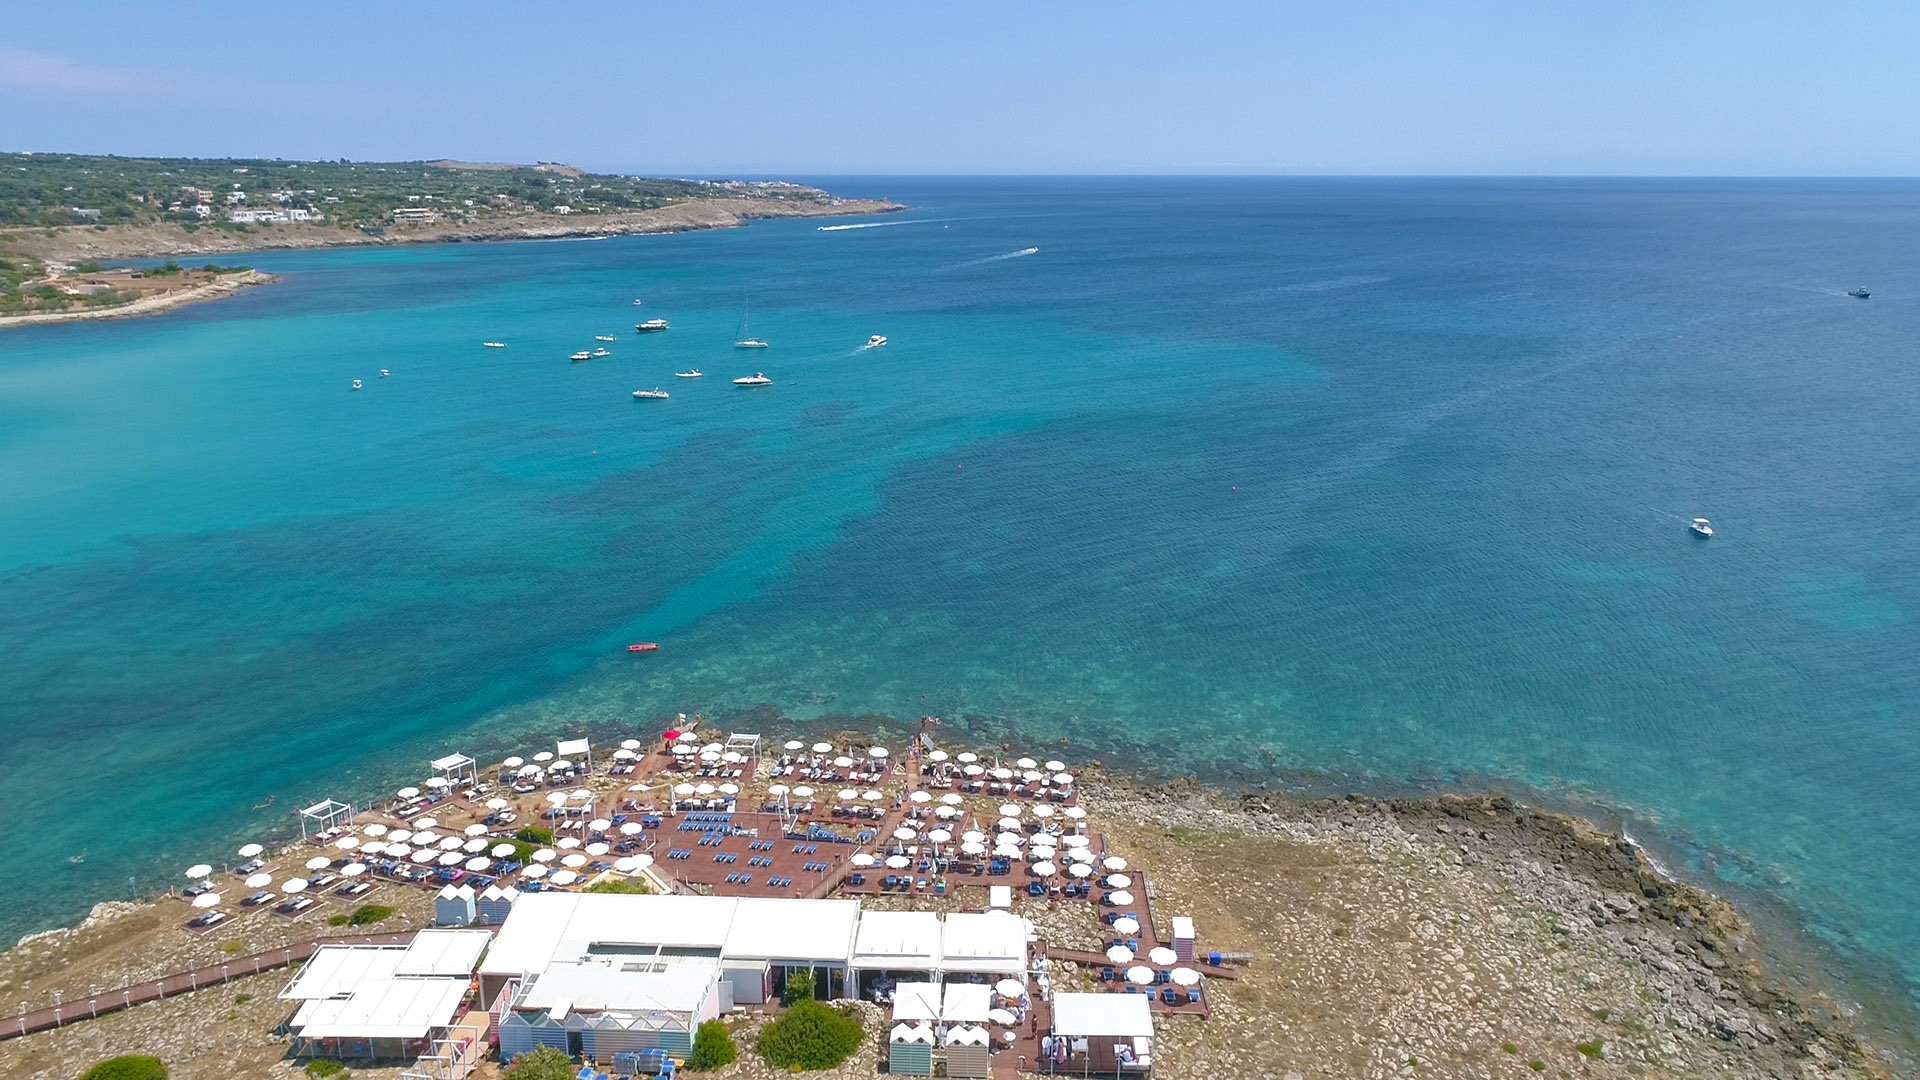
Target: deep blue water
column 1382, row 479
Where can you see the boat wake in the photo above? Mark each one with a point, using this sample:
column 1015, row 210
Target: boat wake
column 1349, row 282
column 865, row 225
column 1021, row 254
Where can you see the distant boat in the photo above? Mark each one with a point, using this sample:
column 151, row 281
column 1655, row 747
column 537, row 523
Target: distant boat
column 1859, row 293
column 356, row 384
column 691, row 373
column 876, row 341
column 494, row 344
column 741, row 339
column 642, row 646
column 756, row 379
column 603, row 337
column 654, row 393
column 602, row 352
column 384, row 373
column 581, row 356
column 651, row 326
column 636, row 301
column 1701, row 527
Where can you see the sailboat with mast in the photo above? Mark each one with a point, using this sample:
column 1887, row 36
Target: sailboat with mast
column 741, row 339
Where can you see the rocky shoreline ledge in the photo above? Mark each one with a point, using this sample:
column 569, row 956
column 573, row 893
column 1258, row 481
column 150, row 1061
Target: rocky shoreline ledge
column 1466, row 933
column 225, row 286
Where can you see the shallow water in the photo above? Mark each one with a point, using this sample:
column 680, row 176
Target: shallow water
column 1386, row 479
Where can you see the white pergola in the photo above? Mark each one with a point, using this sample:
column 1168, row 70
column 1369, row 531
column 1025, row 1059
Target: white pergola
column 744, row 743
column 324, row 815
column 455, row 768
column 575, row 748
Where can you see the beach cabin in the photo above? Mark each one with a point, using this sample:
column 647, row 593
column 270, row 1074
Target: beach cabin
column 494, row 903
column 910, row 1049
column 596, row 1010
column 1183, row 938
column 1101, row 1034
column 453, row 906
column 968, row 1051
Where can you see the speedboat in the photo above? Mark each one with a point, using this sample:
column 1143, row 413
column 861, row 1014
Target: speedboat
column 876, row 341
column 580, row 356
column 494, row 344
column 750, row 343
column 1701, row 527
column 755, row 379
column 603, row 351
column 603, row 337
column 651, row 326
column 693, row 373
column 384, row 373
column 654, row 393
column 1859, row 293
column 356, row 384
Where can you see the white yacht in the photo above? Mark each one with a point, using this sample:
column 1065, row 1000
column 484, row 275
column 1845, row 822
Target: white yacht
column 755, row 379
column 494, row 344
column 603, row 337
column 876, row 341
column 750, row 343
column 742, row 339
column 384, row 373
column 1860, row 293
column 1701, row 527
column 356, row 384
column 580, row 356
column 654, row 393
column 636, row 301
column 690, row 373
column 651, row 326
column 603, row 351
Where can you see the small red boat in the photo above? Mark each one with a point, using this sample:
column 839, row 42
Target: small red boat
column 642, row 646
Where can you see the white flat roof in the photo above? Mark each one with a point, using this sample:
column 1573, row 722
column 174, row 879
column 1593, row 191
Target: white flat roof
column 1116, row 1015
column 916, row 1001
column 766, row 928
column 548, row 928
column 598, row 987
column 990, row 942
column 967, row 1003
column 444, row 952
column 904, row 939
column 383, row 1009
column 571, row 747
column 451, row 761
column 334, row 970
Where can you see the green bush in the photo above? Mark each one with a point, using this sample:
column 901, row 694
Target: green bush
column 368, row 914
column 319, row 1067
column 712, row 1047
column 131, row 1067
column 798, row 987
column 1590, row 1049
column 634, row 886
column 534, row 834
column 810, row 1036
column 337, row 920
column 543, row 1063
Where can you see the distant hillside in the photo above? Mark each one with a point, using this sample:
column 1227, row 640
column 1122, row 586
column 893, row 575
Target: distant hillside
column 82, row 189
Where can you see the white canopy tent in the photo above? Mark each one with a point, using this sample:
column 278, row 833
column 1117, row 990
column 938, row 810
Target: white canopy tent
column 576, row 748
column 325, row 814
column 456, row 767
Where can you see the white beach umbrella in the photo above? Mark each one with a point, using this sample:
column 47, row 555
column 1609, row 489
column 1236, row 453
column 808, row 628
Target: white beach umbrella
column 1032, row 777
column 876, row 752
column 1025, row 763
column 684, row 790
column 563, row 877
column 561, row 765
column 1010, row 825
column 1076, row 841
column 545, row 855
column 199, row 870
column 631, row 828
column 408, row 793
column 1162, row 955
column 848, row 795
column 968, row 758
column 259, row 881
column 842, row 762
column 599, row 825
column 1114, row 862
column 898, row 862
column 713, row 748
column 623, row 754
column 319, row 862
column 946, row 813
column 1043, row 869
column 1009, row 810
column 687, row 737
column 1183, row 976
column 574, row 861
column 1056, row 766
column 436, row 782
column 871, row 795
column 1121, row 898
column 1080, row 870
column 530, row 771
column 596, row 849
column 904, row 833
column 452, row 858
column 1063, row 779
column 450, row 843
column 544, row 755
column 347, row 843
column 1140, row 975
column 937, row 755
column 703, row 790
column 1079, row 855
column 512, row 762
column 939, row 836
column 425, row 837
column 777, row 790
column 729, row 789
column 952, row 798
column 803, row 792
column 1119, row 954
column 862, row 859
column 1119, row 881
column 478, row 863
column 475, row 846
column 537, row 870
column 627, row 865
column 373, row 847
column 398, row 851
column 567, row 843
column 294, row 885
column 476, row 829
column 375, row 829
column 682, row 750
column 645, row 861
column 1003, row 1017
column 709, row 758
column 822, row 748
column 1075, row 812
column 580, row 794
column 975, row 770
column 556, row 797
column 424, row 855
column 795, row 744
column 206, row 900
column 1126, row 925
column 921, row 797
column 1003, row 773
column 501, row 851
column 1010, row 988
column 248, row 851
column 974, row 848
column 353, row 869
column 1043, row 811
column 973, row 836
column 629, row 744
column 1009, row 839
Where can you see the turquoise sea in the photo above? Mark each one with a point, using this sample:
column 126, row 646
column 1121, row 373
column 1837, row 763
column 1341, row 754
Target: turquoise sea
column 1382, row 482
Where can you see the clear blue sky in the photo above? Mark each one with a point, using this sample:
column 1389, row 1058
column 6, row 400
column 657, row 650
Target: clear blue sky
column 767, row 88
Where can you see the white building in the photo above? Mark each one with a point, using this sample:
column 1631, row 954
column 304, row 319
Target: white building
column 595, row 1010
column 383, row 1001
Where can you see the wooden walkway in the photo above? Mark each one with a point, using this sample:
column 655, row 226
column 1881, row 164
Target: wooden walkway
column 185, row 982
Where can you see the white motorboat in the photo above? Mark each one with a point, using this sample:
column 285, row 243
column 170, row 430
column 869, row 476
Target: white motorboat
column 603, row 351
column 755, row 379
column 692, row 373
column 636, row 301
column 603, row 337
column 654, row 393
column 582, row 355
column 384, row 373
column 1860, row 293
column 1701, row 527
column 750, row 343
column 651, row 326
column 494, row 344
column 356, row 384
column 876, row 341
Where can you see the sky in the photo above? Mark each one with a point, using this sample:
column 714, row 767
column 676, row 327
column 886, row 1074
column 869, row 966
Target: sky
column 751, row 88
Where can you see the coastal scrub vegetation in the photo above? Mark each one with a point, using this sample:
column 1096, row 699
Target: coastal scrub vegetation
column 798, row 987
column 534, row 834
column 129, row 1067
column 368, row 914
column 542, row 1063
column 712, row 1047
column 88, row 189
column 320, row 1067
column 810, row 1036
column 632, row 886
